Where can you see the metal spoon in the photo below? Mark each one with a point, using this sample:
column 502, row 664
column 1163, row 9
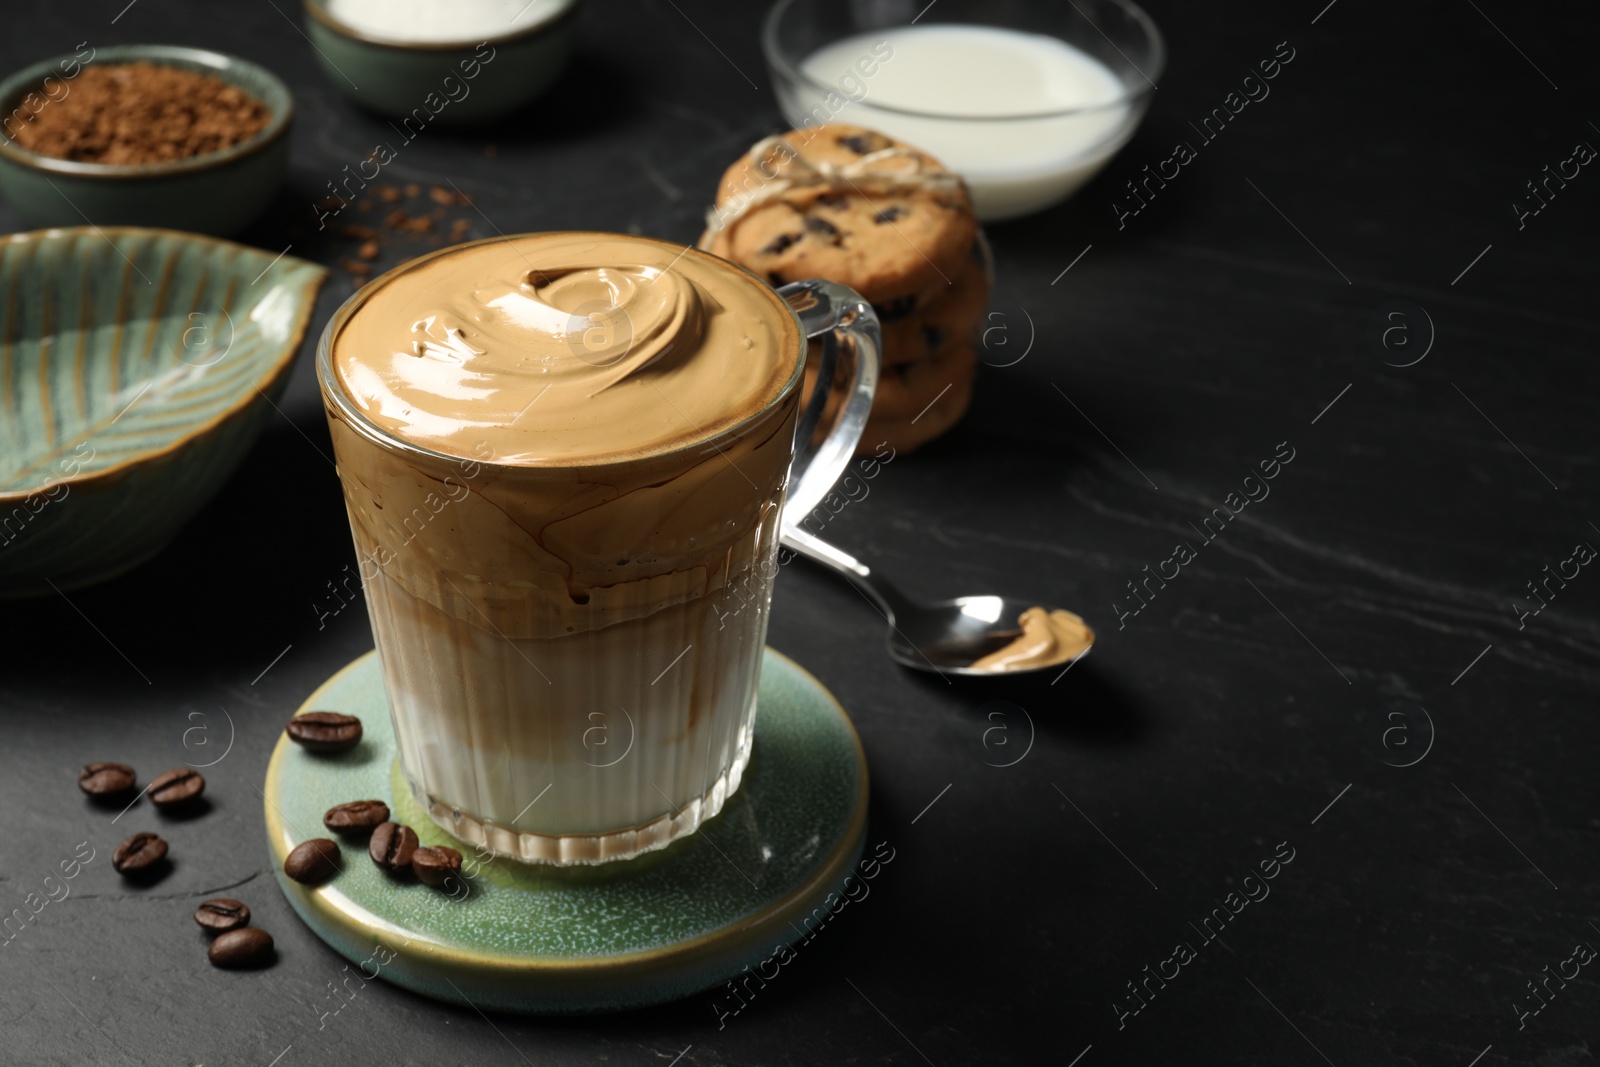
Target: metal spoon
column 947, row 637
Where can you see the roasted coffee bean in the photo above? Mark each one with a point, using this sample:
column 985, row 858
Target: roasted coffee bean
column 313, row 862
column 434, row 864
column 106, row 779
column 222, row 914
column 393, row 846
column 247, row 946
column 138, row 853
column 176, row 788
column 357, row 817
column 325, row 731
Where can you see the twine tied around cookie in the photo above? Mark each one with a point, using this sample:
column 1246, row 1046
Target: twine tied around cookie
column 862, row 176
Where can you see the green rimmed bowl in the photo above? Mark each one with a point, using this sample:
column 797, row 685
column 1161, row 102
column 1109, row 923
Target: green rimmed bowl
column 216, row 193
column 137, row 368
column 445, row 83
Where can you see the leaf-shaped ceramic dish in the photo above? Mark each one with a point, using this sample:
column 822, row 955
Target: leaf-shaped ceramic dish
column 137, row 367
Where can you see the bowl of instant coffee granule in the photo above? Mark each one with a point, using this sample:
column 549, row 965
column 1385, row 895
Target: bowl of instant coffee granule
column 147, row 135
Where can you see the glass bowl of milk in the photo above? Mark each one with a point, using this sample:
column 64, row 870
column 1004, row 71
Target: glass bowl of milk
column 1025, row 99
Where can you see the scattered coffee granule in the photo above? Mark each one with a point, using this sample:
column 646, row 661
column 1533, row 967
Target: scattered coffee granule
column 399, row 220
column 448, row 197
column 405, row 213
column 132, row 113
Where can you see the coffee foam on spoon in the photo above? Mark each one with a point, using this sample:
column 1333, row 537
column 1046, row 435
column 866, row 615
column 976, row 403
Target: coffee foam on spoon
column 1048, row 638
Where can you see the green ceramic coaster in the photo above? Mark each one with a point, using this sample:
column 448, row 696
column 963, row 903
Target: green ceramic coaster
column 540, row 939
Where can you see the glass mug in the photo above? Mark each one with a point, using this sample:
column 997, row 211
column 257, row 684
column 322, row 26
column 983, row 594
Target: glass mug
column 576, row 683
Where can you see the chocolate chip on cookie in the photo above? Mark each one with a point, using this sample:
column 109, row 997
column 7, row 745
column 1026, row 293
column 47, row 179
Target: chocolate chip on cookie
column 779, row 243
column 896, row 309
column 822, row 228
column 954, row 317
column 864, row 142
column 917, row 402
column 908, row 434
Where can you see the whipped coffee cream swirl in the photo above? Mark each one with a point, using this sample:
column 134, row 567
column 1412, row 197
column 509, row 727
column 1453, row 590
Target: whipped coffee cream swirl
column 563, row 348
column 614, row 404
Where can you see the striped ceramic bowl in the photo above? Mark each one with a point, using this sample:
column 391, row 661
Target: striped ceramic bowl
column 137, row 367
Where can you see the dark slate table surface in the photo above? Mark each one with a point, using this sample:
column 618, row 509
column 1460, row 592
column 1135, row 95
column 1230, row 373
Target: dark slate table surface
column 1437, row 869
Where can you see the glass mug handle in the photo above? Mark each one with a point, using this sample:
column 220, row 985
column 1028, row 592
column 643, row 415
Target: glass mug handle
column 851, row 350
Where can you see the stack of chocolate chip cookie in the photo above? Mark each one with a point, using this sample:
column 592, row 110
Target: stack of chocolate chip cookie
column 855, row 207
